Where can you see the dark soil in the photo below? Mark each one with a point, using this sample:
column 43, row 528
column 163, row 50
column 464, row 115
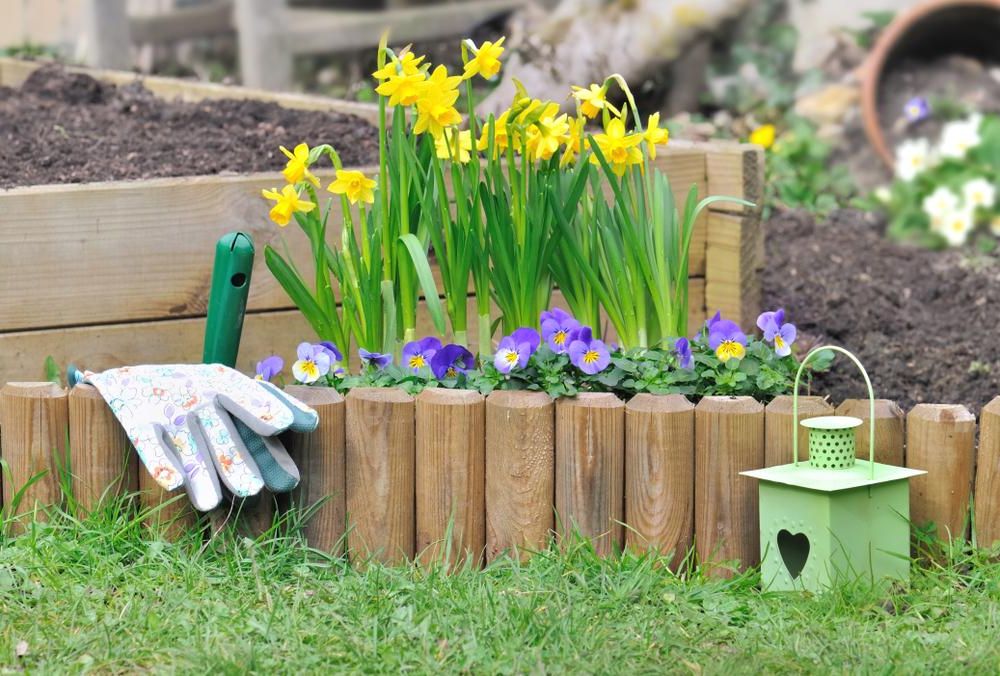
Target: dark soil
column 70, row 128
column 923, row 323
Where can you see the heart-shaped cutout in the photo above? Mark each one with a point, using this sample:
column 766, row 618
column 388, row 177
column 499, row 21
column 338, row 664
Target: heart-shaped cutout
column 794, row 550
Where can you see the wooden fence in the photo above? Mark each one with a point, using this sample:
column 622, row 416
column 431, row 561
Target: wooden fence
column 134, row 257
column 452, row 474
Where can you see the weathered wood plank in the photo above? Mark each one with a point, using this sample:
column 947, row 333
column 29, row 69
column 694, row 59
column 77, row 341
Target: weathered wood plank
column 889, row 424
column 988, row 476
column 737, row 170
column 102, row 459
column 733, row 281
column 778, row 427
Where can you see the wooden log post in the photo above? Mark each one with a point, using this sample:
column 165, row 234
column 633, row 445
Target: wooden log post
column 889, row 436
column 590, row 469
column 520, row 472
column 319, row 455
column 380, row 474
column 104, row 463
column 778, row 427
column 451, row 477
column 988, row 476
column 169, row 514
column 659, row 474
column 729, row 439
column 940, row 438
column 34, row 418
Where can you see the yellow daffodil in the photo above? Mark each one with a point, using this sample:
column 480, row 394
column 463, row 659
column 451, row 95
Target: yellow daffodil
column 355, row 185
column 763, row 136
column 460, row 143
column 402, row 89
column 545, row 135
column 619, row 149
column 408, row 64
column 591, row 99
column 573, row 139
column 486, row 60
column 655, row 135
column 501, row 137
column 297, row 168
column 436, row 105
column 287, row 203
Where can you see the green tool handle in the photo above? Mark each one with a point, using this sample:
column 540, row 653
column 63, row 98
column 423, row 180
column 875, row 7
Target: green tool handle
column 227, row 301
column 871, row 406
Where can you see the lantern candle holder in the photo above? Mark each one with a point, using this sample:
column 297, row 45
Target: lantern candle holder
column 835, row 518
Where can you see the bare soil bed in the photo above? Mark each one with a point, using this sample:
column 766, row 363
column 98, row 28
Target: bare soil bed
column 923, row 322
column 60, row 127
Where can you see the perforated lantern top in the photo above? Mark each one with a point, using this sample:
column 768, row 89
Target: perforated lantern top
column 831, row 441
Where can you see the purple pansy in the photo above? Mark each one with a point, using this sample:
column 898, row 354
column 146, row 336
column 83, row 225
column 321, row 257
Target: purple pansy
column 527, row 336
column 682, row 348
column 777, row 331
column 916, row 110
column 511, row 354
column 451, row 360
column 588, row 354
column 418, row 353
column 376, row 359
column 332, row 350
column 727, row 340
column 557, row 326
column 313, row 363
column 269, row 367
column 713, row 320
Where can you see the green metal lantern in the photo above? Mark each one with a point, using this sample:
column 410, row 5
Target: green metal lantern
column 835, row 518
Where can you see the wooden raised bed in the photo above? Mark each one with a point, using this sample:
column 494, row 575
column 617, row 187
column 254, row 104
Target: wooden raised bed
column 506, row 473
column 116, row 273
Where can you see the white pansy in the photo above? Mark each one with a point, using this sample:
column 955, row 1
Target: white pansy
column 958, row 138
column 979, row 193
column 940, row 203
column 912, row 157
column 957, row 226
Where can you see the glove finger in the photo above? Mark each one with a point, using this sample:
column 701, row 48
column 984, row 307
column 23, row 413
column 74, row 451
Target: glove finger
column 236, row 467
column 304, row 417
column 277, row 468
column 264, row 413
column 199, row 477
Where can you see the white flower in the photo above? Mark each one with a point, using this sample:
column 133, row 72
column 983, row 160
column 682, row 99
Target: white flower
column 912, row 157
column 979, row 193
column 956, row 226
column 883, row 194
column 958, row 138
column 939, row 204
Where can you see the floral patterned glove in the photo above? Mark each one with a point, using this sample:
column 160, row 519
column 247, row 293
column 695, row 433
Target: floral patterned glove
column 194, row 425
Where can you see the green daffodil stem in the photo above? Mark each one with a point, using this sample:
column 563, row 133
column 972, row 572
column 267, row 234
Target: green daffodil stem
column 461, row 338
column 485, row 336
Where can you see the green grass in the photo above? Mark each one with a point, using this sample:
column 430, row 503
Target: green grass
column 101, row 594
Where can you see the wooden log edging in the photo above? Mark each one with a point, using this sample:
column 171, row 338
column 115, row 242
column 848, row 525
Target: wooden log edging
column 394, row 476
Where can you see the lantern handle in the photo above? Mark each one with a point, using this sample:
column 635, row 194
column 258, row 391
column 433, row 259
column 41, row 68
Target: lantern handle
column 871, row 406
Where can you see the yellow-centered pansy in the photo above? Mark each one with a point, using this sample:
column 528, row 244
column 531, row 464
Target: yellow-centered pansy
column 287, row 203
column 655, row 135
column 297, row 167
column 354, row 184
column 486, row 60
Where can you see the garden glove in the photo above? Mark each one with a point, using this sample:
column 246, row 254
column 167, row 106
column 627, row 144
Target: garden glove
column 194, row 425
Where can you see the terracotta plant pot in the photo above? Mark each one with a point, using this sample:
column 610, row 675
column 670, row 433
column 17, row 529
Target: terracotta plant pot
column 932, row 28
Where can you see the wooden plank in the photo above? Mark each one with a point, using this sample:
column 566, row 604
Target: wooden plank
column 379, row 462
column 940, row 438
column 168, row 514
column 309, row 31
column 319, row 455
column 729, row 439
column 733, row 282
column 659, row 475
column 34, row 418
column 451, row 477
column 778, row 427
column 889, row 436
column 520, row 474
column 183, row 23
column 988, row 476
column 102, row 459
column 590, row 469
column 736, row 170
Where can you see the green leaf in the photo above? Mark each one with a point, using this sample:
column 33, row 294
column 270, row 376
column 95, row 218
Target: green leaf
column 423, row 269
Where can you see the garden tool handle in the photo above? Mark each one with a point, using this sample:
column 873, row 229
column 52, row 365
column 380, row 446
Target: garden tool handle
column 227, row 299
column 871, row 405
